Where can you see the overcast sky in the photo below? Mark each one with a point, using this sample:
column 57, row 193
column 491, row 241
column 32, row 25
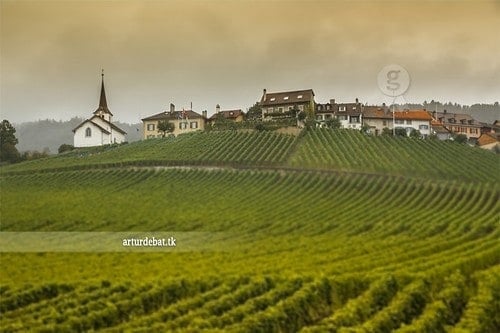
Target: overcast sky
column 208, row 52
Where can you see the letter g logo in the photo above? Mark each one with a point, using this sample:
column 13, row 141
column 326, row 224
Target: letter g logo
column 393, row 80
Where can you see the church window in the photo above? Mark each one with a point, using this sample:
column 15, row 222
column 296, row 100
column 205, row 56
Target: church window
column 88, row 132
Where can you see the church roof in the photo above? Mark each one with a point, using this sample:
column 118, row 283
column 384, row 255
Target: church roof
column 90, row 121
column 113, row 126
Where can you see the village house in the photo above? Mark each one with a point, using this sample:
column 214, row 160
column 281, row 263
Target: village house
column 99, row 129
column 284, row 104
column 441, row 132
column 376, row 118
column 459, row 123
column 350, row 115
column 184, row 121
column 489, row 141
column 414, row 120
column 236, row 115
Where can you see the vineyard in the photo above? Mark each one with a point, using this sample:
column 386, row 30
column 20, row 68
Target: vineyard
column 319, row 237
column 321, row 149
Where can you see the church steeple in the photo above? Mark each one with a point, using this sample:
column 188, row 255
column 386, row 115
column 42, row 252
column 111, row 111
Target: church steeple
column 102, row 101
column 103, row 111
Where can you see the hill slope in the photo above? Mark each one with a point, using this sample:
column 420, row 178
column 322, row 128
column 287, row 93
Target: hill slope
column 300, row 239
column 337, row 150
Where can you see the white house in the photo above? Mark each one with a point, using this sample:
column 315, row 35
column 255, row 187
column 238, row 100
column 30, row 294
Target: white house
column 414, row 120
column 350, row 115
column 99, row 129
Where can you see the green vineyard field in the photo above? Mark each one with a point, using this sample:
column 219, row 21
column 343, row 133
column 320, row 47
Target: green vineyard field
column 328, row 231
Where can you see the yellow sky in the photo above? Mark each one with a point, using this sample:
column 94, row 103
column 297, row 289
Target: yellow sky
column 209, row 52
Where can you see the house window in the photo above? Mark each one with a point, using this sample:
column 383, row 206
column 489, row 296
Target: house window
column 273, row 99
column 384, row 122
column 300, row 96
column 182, row 125
column 285, row 98
column 342, row 117
column 151, row 127
column 408, row 122
column 328, row 116
column 280, row 109
column 341, row 108
column 399, row 121
column 88, row 132
column 290, row 108
column 193, row 124
column 319, row 117
column 354, row 119
column 423, row 127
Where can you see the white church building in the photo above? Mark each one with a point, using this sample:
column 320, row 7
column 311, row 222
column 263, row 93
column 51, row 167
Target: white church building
column 99, row 129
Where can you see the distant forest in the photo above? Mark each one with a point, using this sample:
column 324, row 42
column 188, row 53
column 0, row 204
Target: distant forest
column 50, row 134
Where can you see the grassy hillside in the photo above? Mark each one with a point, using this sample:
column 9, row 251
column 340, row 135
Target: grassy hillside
column 352, row 150
column 305, row 247
column 339, row 150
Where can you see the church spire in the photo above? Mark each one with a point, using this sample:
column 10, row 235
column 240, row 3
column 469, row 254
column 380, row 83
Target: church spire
column 103, row 104
column 102, row 101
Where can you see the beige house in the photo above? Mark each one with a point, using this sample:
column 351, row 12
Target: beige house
column 236, row 115
column 489, row 141
column 459, row 123
column 376, row 118
column 185, row 121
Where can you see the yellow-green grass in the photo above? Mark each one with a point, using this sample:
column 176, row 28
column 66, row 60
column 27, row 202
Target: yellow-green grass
column 338, row 245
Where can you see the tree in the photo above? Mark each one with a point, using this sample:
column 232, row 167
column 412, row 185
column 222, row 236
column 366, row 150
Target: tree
column 7, row 133
column 460, row 138
column 254, row 112
column 333, row 123
column 8, row 142
column 165, row 127
column 301, row 115
column 400, row 132
column 386, row 131
column 415, row 134
column 65, row 147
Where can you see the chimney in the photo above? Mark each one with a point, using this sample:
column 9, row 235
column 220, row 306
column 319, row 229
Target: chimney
column 204, row 114
column 264, row 95
column 217, row 108
column 444, row 111
column 357, row 101
column 332, row 101
column 172, row 107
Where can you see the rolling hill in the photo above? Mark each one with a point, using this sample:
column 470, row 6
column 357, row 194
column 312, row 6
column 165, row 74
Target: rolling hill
column 322, row 232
